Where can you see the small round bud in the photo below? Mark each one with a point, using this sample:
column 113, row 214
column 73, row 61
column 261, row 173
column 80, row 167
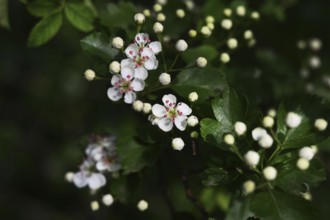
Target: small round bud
column 206, row 31
column 158, row 28
column 320, row 124
column 266, row 141
column 248, row 34
column 146, row 12
column 301, row 44
column 117, row 42
column 142, row 205
column 314, row 149
column 315, row 44
column 114, row 67
column 89, row 75
column 210, row 26
column 192, row 33
column 180, row 13
column 161, row 17
column 181, row 45
column 302, row 164
column 257, row 133
column 69, row 177
column 272, row 113
column 192, row 121
column 164, row 78
column 229, row 139
column 162, row 2
column 268, row 122
column 307, row 196
column 224, row 58
column 209, row 19
column 139, row 18
column 201, row 62
column 137, row 105
column 226, row 24
column 232, row 43
column 255, row 15
column 193, row 96
column 270, row 173
column 248, row 187
column 107, row 200
column 194, row 134
column 252, row 158
column 177, row 144
column 157, row 7
column 95, row 205
column 240, row 10
column 189, row 4
column 227, row 12
column 251, row 43
column 166, row 39
column 293, row 120
column 314, row 62
column 146, row 108
column 240, row 128
column 306, row 153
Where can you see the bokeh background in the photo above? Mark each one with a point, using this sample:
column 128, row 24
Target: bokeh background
column 47, row 108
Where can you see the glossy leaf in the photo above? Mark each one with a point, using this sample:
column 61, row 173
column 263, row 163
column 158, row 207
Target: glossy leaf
column 191, row 54
column 42, row 8
column 80, row 16
column 4, row 20
column 218, row 176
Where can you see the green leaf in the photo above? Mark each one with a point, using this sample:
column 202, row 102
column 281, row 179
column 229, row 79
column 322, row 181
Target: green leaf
column 218, row 176
column 45, row 30
column 274, row 205
column 134, row 157
column 80, row 16
column 42, row 8
column 240, row 209
column 98, row 46
column 212, row 131
column 206, row 82
column 117, row 15
column 206, row 51
column 4, row 21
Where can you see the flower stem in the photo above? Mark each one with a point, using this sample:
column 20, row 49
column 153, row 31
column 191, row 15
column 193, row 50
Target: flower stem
column 234, row 148
column 275, row 153
column 174, row 62
column 162, row 52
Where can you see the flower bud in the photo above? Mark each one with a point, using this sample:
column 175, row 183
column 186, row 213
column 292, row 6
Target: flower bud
column 293, row 120
column 146, row 108
column 137, row 105
column 139, row 18
column 95, row 205
column 89, row 75
column 227, row 12
column 248, row 187
column 232, row 43
column 146, row 12
column 177, row 144
column 226, row 24
column 158, row 28
column 206, row 31
column 224, row 58
column 268, row 122
column 164, row 78
column 240, row 10
column 314, row 149
column 69, row 177
column 193, row 96
column 307, row 196
column 194, row 134
column 161, row 17
column 248, row 34
column 209, row 19
column 266, row 141
column 272, row 113
column 180, row 13
column 301, row 44
column 210, row 26
column 114, row 67
column 302, row 164
column 240, row 128
column 306, row 153
column 255, row 15
column 107, row 200
column 117, row 43
column 269, row 173
column 314, row 62
column 181, row 45
column 192, row 121
column 252, row 158
column 315, row 44
column 142, row 205
column 320, row 124
column 192, row 33
column 229, row 139
column 162, row 2
column 189, row 4
column 257, row 133
column 201, row 62
column 157, row 7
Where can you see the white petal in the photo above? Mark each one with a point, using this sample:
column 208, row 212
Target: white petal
column 131, row 51
column 183, row 108
column 151, row 64
column 127, row 62
column 155, row 46
column 181, row 122
column 148, row 53
column 165, row 124
column 158, row 110
column 115, row 79
column 129, row 97
column 142, row 39
column 96, row 180
column 169, row 100
column 127, row 73
column 80, row 179
column 140, row 73
column 137, row 85
column 97, row 153
column 102, row 165
column 114, row 94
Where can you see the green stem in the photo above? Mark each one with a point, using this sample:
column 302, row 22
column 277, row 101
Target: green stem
column 162, row 52
column 234, row 148
column 174, row 62
column 275, row 153
column 180, row 69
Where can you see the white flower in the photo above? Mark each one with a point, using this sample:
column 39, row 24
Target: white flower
column 89, row 75
column 95, row 206
column 201, row 62
column 240, row 128
column 224, row 57
column 171, row 113
column 146, row 108
column 227, row 12
column 240, row 10
column 192, row 33
column 137, row 105
column 268, row 122
column 86, row 177
column 142, row 205
column 248, row 187
column 157, row 7
column 315, row 44
column 139, row 18
column 307, row 153
column 125, row 84
column 192, row 121
column 158, row 28
column 161, row 17
column 146, row 12
column 107, row 200
column 164, row 78
column 257, row 133
column 232, row 43
column 69, row 176
column 255, row 15
column 226, row 24
column 117, row 42
column 270, row 173
column 193, row 96
column 302, row 164
column 320, row 124
column 314, row 62
column 252, row 158
column 293, row 120
column 209, row 19
column 114, row 67
column 248, row 34
column 205, row 30
column 177, row 144
column 266, row 141
column 180, row 13
column 229, row 139
column 181, row 45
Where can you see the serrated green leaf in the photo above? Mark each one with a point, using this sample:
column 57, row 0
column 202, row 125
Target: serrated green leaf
column 273, row 205
column 45, row 30
column 211, row 131
column 206, row 51
column 80, row 16
column 4, row 20
column 217, row 176
column 42, row 8
column 98, row 46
